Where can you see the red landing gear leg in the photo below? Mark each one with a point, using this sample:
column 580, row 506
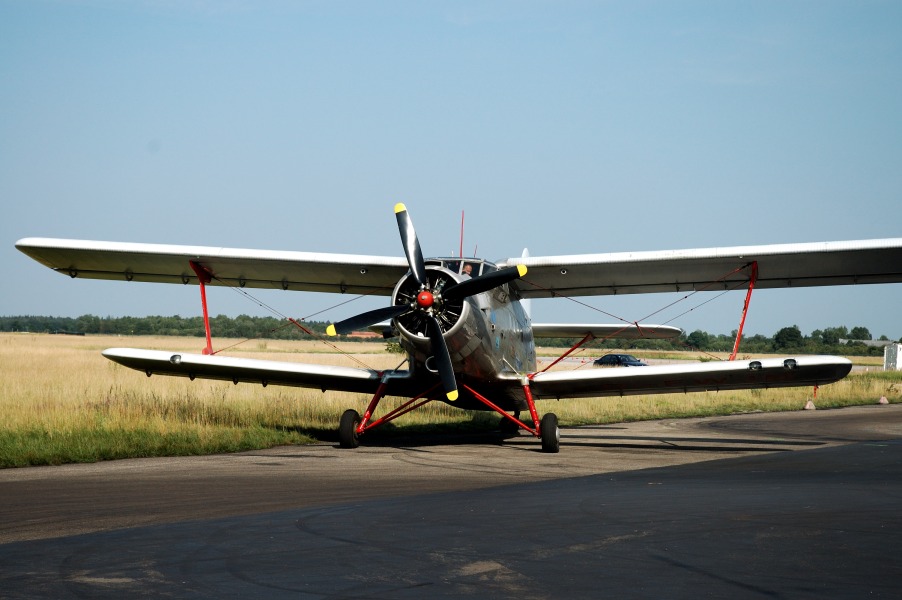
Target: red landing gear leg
column 547, row 429
column 352, row 425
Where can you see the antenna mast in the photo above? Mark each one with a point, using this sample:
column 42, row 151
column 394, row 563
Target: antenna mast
column 461, row 254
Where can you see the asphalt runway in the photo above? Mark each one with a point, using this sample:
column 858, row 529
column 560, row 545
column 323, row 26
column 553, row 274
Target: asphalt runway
column 792, row 505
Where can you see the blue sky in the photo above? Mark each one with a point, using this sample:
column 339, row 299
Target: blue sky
column 564, row 127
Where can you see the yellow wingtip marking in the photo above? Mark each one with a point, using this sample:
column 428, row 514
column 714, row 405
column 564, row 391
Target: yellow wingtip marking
column 330, row 330
column 399, row 207
column 521, row 269
column 452, row 396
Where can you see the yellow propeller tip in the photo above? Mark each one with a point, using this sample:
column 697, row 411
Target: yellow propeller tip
column 399, row 207
column 521, row 269
column 330, row 330
column 452, row 396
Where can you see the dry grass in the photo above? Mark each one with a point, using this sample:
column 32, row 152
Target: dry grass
column 62, row 401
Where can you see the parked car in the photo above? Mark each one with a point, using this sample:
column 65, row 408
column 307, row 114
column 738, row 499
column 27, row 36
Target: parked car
column 619, row 360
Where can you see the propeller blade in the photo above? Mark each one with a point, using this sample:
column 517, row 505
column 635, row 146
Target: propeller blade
column 443, row 358
column 483, row 283
column 366, row 319
column 411, row 245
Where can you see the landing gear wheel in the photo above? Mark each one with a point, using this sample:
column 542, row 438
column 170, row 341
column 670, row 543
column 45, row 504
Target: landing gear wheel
column 551, row 435
column 347, row 429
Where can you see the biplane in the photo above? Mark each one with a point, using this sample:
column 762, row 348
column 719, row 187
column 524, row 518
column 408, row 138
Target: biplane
column 464, row 323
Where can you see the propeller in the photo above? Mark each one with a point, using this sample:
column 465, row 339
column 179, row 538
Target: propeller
column 425, row 300
column 411, row 245
column 483, row 283
column 366, row 319
column 443, row 358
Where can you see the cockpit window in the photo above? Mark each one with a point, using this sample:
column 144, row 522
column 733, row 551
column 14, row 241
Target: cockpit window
column 477, row 266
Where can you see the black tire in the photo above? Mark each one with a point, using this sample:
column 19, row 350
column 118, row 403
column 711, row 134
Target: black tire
column 551, row 435
column 347, row 429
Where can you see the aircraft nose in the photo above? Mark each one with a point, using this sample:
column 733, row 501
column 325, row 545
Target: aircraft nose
column 425, row 299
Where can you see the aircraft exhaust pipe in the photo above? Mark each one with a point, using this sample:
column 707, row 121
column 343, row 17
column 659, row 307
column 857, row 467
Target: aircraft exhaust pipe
column 430, row 365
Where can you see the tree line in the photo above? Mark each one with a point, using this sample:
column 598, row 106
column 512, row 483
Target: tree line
column 242, row 326
column 830, row 340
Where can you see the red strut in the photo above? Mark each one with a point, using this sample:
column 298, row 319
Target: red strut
column 203, row 278
column 745, row 309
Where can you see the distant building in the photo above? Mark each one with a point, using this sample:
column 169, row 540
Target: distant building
column 365, row 334
column 869, row 343
column 892, row 357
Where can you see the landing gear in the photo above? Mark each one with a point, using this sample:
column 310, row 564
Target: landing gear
column 347, row 429
column 551, row 435
column 352, row 425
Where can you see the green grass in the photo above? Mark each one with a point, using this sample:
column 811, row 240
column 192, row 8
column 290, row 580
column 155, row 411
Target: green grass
column 62, row 402
column 91, row 444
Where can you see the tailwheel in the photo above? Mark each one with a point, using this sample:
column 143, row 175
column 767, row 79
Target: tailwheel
column 551, row 435
column 347, row 429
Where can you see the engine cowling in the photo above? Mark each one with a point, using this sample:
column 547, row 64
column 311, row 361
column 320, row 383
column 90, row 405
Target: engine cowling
column 450, row 314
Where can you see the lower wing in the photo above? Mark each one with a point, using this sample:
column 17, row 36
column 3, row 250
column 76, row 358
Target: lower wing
column 711, row 376
column 624, row 331
column 265, row 372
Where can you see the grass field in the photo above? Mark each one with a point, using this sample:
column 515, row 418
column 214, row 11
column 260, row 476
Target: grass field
column 63, row 402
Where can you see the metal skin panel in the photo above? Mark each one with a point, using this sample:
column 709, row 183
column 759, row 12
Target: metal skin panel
column 162, row 263
column 779, row 266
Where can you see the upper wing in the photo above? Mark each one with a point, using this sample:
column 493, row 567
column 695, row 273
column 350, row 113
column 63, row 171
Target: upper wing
column 780, row 265
column 711, row 376
column 163, row 263
column 631, row 331
column 783, row 265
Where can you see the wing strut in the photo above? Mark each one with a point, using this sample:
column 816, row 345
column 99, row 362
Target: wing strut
column 203, row 278
column 745, row 308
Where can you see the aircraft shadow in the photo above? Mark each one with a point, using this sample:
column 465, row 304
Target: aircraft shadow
column 693, row 444
column 390, row 437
